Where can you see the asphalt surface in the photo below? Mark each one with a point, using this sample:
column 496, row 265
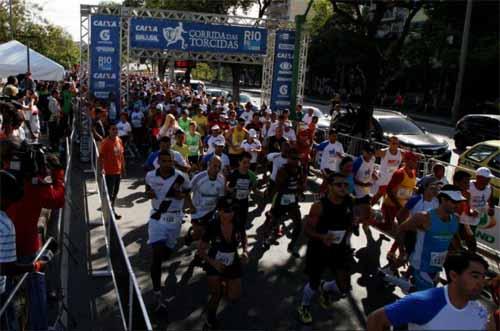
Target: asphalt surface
column 272, row 281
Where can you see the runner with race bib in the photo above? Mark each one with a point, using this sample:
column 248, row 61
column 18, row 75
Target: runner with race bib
column 219, row 248
column 328, row 246
column 435, row 230
column 168, row 188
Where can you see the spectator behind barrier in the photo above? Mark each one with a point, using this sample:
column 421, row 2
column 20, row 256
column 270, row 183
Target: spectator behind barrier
column 42, row 189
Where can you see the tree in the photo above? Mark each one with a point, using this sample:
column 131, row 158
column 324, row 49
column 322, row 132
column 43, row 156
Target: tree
column 47, row 39
column 351, row 35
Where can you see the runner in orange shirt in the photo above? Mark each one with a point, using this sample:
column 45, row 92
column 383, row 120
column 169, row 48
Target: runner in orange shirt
column 112, row 162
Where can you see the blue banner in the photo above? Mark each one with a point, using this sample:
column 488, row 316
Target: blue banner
column 105, row 57
column 150, row 33
column 281, row 91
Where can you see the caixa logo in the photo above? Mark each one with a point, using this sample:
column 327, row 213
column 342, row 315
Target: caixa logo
column 104, row 35
column 285, row 66
column 104, row 75
column 285, row 36
column 105, row 23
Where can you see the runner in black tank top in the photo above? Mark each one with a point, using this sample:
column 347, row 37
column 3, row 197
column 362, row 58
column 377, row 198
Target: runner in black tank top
column 328, row 227
column 219, row 248
column 289, row 186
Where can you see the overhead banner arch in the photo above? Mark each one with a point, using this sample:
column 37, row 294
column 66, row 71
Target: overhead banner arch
column 148, row 33
column 175, row 35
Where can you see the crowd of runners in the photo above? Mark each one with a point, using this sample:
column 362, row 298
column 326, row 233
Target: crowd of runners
column 208, row 156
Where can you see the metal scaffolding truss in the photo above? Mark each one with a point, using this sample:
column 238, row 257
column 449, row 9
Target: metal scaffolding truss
column 306, row 38
column 206, row 18
column 129, row 54
column 268, row 67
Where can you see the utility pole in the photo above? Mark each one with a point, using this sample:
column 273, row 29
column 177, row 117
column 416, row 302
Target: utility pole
column 299, row 25
column 455, row 110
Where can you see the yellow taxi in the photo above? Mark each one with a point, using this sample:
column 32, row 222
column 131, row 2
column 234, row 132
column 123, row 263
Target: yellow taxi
column 484, row 154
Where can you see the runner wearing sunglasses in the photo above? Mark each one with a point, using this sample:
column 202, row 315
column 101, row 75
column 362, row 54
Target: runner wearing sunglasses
column 328, row 246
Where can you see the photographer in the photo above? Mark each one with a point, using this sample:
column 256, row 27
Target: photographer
column 43, row 178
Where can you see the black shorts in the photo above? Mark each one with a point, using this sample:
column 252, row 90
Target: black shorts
column 194, row 159
column 319, row 258
column 241, row 212
column 204, row 220
column 234, row 159
column 233, row 271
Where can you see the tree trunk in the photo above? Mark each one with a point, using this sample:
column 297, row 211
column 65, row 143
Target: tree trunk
column 162, row 66
column 236, row 71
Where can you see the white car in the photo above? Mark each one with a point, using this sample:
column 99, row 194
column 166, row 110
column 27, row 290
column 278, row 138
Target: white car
column 245, row 98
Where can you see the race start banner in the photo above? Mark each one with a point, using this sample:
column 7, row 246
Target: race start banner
column 148, row 33
column 281, row 91
column 105, row 57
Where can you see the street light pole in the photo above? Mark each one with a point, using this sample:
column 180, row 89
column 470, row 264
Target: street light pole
column 28, row 56
column 299, row 25
column 455, row 110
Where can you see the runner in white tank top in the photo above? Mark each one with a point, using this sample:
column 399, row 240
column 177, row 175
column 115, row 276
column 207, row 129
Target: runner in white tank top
column 390, row 160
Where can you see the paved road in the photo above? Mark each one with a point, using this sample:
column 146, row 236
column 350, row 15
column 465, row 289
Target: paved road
column 272, row 281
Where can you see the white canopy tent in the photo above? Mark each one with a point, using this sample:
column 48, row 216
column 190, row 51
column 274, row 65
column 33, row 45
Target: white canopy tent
column 13, row 61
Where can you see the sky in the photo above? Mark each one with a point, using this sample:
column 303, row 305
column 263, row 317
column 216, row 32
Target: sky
column 66, row 13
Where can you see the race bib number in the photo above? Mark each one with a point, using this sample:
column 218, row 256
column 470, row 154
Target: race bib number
column 170, row 218
column 225, row 258
column 287, row 199
column 242, row 194
column 404, row 193
column 193, row 149
column 338, row 236
column 210, row 203
column 466, row 219
column 437, row 259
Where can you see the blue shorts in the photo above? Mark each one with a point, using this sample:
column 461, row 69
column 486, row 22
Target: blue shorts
column 424, row 280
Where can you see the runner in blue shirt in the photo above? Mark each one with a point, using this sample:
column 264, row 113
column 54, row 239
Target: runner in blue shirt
column 453, row 307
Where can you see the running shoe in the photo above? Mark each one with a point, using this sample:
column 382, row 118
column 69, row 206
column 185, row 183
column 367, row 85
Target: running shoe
column 209, row 324
column 292, row 250
column 161, row 305
column 326, row 299
column 305, row 316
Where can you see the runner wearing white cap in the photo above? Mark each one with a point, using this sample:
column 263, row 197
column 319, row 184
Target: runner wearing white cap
column 253, row 146
column 215, row 137
column 435, row 230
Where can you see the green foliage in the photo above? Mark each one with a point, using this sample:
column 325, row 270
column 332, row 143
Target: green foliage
column 203, row 71
column 205, row 6
column 47, row 39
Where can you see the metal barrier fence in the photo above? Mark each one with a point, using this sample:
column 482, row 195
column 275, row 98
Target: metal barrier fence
column 132, row 309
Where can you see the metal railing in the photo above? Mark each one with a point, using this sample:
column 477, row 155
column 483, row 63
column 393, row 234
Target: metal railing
column 132, row 308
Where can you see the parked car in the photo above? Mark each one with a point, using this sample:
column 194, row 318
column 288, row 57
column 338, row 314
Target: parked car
column 245, row 98
column 392, row 123
column 197, row 85
column 484, row 154
column 474, row 128
column 217, row 92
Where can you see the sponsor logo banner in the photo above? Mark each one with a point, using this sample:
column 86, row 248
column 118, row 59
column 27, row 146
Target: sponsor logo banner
column 105, row 57
column 151, row 33
column 281, row 92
